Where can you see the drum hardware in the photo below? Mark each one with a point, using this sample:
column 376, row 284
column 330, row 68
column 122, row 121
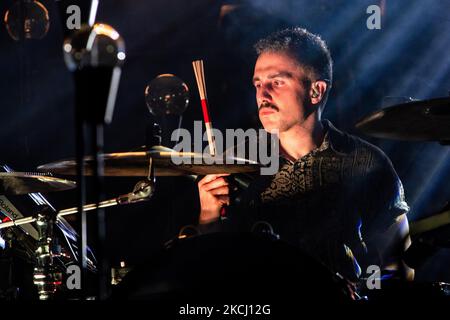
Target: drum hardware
column 118, row 273
column 188, row 231
column 142, row 191
column 266, row 228
column 443, row 287
column 12, row 237
column 22, row 242
column 46, row 276
column 349, row 289
column 9, row 290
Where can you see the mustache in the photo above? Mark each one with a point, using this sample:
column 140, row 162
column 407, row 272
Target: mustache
column 267, row 105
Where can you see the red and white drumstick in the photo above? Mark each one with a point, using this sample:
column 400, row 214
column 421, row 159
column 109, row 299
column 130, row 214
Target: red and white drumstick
column 201, row 84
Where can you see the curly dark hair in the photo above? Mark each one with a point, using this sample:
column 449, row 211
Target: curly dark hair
column 307, row 48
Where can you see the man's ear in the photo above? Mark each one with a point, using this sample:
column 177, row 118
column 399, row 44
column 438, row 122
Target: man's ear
column 317, row 91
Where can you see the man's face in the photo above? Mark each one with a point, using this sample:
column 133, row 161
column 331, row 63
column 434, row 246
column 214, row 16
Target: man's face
column 280, row 92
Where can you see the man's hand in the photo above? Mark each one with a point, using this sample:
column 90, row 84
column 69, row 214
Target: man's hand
column 214, row 193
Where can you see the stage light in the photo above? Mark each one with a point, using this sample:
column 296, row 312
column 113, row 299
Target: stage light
column 96, row 46
column 27, row 19
column 167, row 94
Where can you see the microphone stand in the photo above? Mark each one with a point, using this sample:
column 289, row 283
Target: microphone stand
column 96, row 71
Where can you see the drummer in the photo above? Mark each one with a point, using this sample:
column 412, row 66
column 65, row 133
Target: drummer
column 335, row 196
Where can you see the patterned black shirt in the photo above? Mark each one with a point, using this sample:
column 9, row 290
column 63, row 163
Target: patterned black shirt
column 331, row 202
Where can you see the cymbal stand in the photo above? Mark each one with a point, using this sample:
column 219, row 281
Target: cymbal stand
column 46, row 277
column 9, row 291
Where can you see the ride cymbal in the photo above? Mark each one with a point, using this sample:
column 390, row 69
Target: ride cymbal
column 165, row 161
column 427, row 120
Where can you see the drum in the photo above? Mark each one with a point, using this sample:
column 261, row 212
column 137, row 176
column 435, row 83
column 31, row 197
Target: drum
column 399, row 290
column 221, row 266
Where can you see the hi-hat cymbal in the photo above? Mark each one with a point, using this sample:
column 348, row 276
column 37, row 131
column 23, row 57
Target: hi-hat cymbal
column 18, row 183
column 427, row 120
column 165, row 161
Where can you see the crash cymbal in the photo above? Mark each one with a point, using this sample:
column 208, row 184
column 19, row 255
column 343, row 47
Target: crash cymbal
column 427, row 120
column 166, row 162
column 18, row 183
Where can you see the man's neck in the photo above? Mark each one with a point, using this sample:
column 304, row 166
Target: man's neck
column 301, row 139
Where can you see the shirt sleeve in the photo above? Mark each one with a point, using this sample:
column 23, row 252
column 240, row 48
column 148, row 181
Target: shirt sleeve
column 384, row 198
column 383, row 202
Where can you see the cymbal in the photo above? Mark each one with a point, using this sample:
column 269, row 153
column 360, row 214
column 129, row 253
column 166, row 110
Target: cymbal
column 431, row 223
column 166, row 162
column 19, row 183
column 427, row 120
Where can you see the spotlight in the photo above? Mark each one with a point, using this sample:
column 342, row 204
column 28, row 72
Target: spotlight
column 27, row 19
column 167, row 94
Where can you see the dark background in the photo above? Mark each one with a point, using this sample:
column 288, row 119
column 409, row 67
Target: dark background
column 408, row 57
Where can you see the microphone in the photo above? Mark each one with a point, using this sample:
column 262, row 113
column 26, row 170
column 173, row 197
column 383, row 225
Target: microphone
column 95, row 55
